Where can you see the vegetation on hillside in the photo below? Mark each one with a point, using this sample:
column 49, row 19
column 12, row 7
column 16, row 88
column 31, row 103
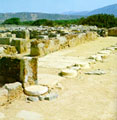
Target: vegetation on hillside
column 15, row 21
column 100, row 20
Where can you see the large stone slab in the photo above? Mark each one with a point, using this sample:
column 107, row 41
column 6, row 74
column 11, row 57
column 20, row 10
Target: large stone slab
column 36, row 90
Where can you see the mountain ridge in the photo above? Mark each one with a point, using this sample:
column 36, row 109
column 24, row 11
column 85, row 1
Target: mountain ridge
column 31, row 16
column 110, row 9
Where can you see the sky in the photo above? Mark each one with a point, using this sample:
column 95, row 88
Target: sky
column 52, row 6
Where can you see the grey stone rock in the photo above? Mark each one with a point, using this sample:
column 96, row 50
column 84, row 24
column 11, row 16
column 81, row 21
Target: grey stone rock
column 13, row 86
column 51, row 96
column 32, row 98
column 97, row 72
column 41, row 98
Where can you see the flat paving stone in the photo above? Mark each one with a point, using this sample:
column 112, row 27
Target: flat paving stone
column 28, row 115
column 35, row 90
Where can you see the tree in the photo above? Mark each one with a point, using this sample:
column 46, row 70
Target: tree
column 100, row 20
column 15, row 21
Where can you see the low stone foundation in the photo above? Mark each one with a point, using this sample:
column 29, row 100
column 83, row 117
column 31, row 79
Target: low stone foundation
column 112, row 31
column 19, row 69
column 43, row 47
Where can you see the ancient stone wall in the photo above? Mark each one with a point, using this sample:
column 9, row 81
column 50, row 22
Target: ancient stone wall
column 9, row 70
column 112, row 31
column 43, row 47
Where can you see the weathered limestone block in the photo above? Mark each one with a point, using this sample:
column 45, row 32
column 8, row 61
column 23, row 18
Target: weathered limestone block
column 20, row 44
column 91, row 36
column 25, row 34
column 11, row 35
column 37, row 48
column 63, row 42
column 52, row 46
column 112, row 31
column 14, row 90
column 10, row 50
column 7, row 49
column 5, row 40
column 1, row 49
column 3, row 96
column 102, row 32
column 2, row 35
column 29, row 71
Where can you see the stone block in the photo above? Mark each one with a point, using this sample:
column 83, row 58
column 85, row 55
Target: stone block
column 20, row 44
column 112, row 31
column 5, row 40
column 32, row 98
column 15, row 90
column 29, row 71
column 51, row 96
column 10, row 69
column 37, row 48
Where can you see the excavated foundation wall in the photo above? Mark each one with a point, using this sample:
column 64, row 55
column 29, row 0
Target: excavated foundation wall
column 112, row 31
column 23, row 70
column 44, row 47
column 9, row 70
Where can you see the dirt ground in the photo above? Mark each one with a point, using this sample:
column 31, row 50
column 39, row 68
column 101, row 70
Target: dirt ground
column 86, row 97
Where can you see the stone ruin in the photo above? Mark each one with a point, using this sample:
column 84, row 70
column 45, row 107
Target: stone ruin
column 19, row 56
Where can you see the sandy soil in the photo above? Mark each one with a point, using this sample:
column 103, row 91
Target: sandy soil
column 86, row 97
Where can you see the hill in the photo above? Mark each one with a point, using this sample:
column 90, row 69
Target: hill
column 111, row 9
column 28, row 16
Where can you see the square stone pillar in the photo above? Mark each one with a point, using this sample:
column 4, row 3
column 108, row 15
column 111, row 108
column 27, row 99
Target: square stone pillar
column 29, row 71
